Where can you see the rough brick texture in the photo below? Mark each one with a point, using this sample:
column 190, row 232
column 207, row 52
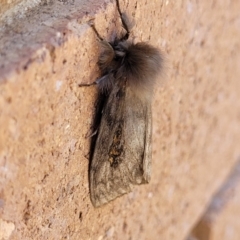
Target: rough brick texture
column 221, row 219
column 45, row 118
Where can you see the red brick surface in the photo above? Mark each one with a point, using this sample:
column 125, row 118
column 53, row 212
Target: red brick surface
column 45, row 118
column 221, row 218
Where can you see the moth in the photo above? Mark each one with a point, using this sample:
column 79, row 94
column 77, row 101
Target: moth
column 122, row 153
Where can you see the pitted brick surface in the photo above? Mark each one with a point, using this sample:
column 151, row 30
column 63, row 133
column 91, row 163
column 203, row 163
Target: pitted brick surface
column 45, row 118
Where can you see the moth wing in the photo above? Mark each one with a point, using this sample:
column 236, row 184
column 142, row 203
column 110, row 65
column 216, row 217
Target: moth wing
column 147, row 159
column 138, row 138
column 122, row 154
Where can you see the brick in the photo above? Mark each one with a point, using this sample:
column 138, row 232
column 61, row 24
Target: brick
column 45, row 118
column 221, row 219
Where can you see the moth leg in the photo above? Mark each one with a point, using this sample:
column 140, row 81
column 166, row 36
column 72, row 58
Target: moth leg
column 90, row 135
column 87, row 84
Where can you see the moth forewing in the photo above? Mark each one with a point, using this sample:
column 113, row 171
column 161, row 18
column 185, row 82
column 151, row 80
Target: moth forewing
column 122, row 155
column 138, row 136
column 108, row 178
column 147, row 158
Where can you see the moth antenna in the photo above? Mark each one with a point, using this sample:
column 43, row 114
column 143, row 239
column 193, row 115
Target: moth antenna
column 127, row 25
column 92, row 25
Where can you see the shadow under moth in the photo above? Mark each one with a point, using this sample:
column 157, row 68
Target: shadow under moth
column 122, row 153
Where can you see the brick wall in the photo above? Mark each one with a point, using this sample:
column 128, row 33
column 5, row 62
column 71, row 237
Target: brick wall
column 46, row 118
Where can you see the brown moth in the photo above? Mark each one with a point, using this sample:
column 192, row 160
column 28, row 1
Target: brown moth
column 122, row 151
